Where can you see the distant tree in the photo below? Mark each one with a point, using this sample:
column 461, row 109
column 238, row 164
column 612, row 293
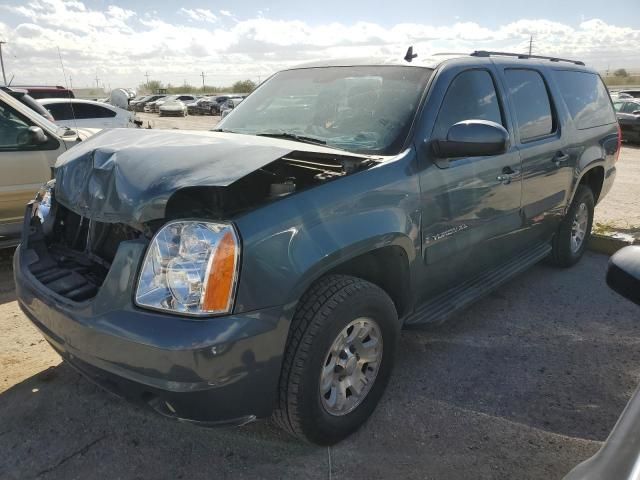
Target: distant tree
column 621, row 72
column 244, row 86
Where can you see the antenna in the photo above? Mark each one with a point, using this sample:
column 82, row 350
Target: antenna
column 73, row 113
column 4, row 77
column 410, row 55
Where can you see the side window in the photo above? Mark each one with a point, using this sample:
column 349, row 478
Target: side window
column 630, row 107
column 60, row 111
column 617, row 106
column 471, row 96
column 530, row 99
column 13, row 128
column 86, row 110
column 586, row 97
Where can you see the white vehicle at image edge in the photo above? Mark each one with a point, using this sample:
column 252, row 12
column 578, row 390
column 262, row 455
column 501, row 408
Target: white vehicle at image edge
column 74, row 112
column 29, row 147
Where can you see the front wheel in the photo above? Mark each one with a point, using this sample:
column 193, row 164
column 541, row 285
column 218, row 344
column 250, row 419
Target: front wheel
column 339, row 356
column 572, row 237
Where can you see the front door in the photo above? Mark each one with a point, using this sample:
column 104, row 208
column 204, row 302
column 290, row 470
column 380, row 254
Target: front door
column 468, row 204
column 23, row 167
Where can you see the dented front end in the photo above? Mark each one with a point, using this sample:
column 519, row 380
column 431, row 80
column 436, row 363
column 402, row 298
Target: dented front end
column 124, row 185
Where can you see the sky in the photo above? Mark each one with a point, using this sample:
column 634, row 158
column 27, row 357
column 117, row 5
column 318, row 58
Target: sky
column 120, row 42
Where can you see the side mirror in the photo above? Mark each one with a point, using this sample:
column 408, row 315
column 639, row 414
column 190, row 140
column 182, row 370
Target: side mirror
column 636, row 112
column 36, row 136
column 472, row 138
column 623, row 274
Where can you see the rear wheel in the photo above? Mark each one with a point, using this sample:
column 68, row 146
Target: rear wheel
column 339, row 356
column 574, row 232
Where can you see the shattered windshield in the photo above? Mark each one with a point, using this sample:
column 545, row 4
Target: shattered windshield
column 360, row 109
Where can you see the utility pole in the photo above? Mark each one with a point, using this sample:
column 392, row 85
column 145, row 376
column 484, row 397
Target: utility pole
column 70, row 82
column 202, row 75
column 530, row 44
column 146, row 74
column 4, row 77
column 97, row 81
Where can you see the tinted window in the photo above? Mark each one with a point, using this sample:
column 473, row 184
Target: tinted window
column 617, row 106
column 60, row 111
column 471, row 96
column 630, row 107
column 586, row 97
column 87, row 110
column 530, row 99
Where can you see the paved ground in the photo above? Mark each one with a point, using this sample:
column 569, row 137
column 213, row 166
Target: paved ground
column 525, row 384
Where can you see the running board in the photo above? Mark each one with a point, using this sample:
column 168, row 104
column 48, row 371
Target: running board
column 459, row 297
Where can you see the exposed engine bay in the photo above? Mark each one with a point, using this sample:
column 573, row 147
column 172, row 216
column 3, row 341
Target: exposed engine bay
column 290, row 174
column 71, row 254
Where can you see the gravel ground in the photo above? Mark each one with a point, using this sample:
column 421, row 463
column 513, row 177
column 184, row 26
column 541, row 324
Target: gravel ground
column 524, row 384
column 620, row 209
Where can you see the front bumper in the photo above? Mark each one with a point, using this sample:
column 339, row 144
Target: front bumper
column 218, row 370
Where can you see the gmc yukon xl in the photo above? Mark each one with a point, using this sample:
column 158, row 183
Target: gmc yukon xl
column 265, row 269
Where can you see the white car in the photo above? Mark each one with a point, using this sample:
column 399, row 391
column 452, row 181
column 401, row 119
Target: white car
column 155, row 106
column 174, row 108
column 73, row 112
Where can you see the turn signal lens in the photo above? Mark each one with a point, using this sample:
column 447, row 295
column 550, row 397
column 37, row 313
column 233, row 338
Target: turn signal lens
column 221, row 275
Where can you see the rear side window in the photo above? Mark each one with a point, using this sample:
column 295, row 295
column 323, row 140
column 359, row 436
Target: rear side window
column 86, row 110
column 586, row 97
column 471, row 96
column 60, row 111
column 529, row 96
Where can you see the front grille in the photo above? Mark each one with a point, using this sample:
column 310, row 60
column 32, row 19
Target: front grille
column 73, row 253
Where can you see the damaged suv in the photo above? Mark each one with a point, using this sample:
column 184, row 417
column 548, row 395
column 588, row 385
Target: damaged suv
column 266, row 268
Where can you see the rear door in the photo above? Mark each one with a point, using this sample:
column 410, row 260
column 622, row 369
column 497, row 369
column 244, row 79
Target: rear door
column 547, row 162
column 471, row 204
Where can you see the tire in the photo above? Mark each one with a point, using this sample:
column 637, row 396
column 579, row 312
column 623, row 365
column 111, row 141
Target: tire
column 564, row 252
column 332, row 305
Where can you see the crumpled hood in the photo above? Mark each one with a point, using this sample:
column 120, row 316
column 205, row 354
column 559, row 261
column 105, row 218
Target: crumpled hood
column 128, row 175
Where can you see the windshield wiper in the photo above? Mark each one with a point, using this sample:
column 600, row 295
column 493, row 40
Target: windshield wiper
column 292, row 136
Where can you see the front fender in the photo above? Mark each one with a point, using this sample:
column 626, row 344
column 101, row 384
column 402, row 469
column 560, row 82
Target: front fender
column 290, row 243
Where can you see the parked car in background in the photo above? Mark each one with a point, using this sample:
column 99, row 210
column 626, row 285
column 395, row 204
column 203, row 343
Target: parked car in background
column 87, row 113
column 194, row 107
column 628, row 113
column 173, row 108
column 155, row 106
column 29, row 147
column 635, row 93
column 41, row 91
column 230, row 104
column 213, row 106
column 140, row 105
column 137, row 100
column 22, row 96
column 267, row 267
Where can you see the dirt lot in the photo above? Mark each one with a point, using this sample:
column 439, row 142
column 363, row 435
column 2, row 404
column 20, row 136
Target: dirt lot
column 525, row 384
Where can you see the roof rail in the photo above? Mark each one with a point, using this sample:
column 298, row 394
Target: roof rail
column 485, row 53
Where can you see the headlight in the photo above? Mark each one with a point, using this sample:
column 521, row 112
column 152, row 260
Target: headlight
column 191, row 267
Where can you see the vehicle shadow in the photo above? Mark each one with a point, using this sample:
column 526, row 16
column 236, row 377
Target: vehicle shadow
column 521, row 384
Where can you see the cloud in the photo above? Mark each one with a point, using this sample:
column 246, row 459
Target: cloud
column 121, row 44
column 199, row 14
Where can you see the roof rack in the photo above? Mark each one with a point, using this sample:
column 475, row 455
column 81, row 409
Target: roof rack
column 485, row 53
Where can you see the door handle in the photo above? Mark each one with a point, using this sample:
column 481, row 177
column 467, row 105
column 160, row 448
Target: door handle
column 559, row 158
column 507, row 175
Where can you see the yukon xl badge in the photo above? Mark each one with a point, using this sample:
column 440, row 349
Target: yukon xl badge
column 447, row 233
